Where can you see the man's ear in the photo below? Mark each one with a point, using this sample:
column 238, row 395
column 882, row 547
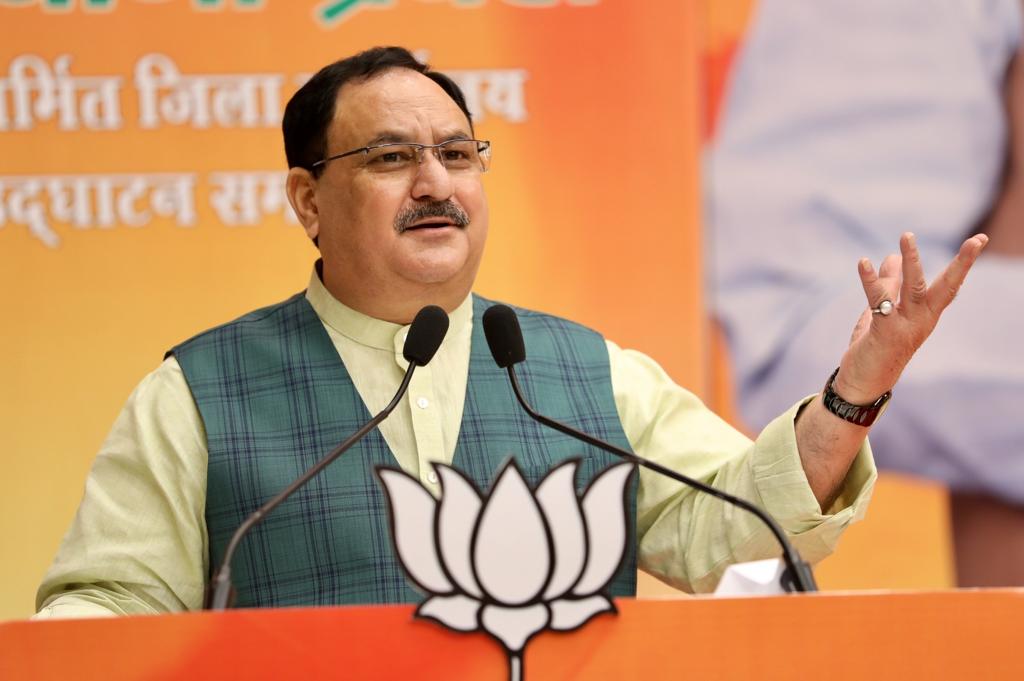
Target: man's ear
column 301, row 189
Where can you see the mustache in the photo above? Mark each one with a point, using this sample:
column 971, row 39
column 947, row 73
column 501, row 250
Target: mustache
column 435, row 209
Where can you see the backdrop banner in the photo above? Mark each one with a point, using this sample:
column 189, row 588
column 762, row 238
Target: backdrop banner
column 142, row 201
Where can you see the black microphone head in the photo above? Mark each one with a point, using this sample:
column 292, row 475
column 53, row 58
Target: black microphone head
column 504, row 337
column 425, row 335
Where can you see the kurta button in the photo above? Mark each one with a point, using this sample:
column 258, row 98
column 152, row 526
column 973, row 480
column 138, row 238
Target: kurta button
column 423, row 403
column 432, row 477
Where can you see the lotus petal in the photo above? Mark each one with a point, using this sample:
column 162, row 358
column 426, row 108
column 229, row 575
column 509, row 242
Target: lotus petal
column 412, row 522
column 456, row 612
column 604, row 509
column 568, row 614
column 511, row 551
column 556, row 495
column 514, row 626
column 456, row 518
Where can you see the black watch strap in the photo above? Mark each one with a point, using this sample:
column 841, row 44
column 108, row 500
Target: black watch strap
column 859, row 414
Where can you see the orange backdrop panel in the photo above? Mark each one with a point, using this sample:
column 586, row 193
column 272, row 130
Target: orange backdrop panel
column 593, row 200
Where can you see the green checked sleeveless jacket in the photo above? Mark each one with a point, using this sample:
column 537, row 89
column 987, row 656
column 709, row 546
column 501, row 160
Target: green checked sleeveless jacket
column 275, row 397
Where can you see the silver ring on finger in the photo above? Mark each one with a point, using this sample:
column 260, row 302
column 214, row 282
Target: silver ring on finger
column 884, row 308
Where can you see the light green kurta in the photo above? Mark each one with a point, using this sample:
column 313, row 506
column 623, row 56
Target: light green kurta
column 138, row 543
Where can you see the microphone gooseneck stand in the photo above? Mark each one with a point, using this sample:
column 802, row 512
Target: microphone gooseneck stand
column 423, row 340
column 506, row 342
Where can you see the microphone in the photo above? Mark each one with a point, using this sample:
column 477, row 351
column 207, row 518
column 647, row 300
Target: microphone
column 424, row 338
column 505, row 339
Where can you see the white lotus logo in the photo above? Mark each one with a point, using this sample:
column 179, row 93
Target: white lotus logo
column 514, row 563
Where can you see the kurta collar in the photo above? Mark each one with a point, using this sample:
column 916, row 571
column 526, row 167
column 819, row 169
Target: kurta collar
column 363, row 329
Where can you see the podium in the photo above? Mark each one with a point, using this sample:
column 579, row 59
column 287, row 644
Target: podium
column 969, row 634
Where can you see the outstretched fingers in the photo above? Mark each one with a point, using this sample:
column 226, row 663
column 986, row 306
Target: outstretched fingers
column 880, row 285
column 947, row 284
column 869, row 280
column 914, row 290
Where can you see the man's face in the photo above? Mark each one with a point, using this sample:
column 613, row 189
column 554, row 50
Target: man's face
column 362, row 212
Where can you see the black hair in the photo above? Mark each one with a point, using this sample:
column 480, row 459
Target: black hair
column 311, row 109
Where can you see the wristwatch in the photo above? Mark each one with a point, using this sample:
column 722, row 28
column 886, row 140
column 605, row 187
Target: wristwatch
column 859, row 414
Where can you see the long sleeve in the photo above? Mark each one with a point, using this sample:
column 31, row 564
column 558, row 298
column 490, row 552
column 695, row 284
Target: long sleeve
column 138, row 542
column 688, row 538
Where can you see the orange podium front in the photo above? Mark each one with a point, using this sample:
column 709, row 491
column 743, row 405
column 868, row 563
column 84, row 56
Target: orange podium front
column 941, row 635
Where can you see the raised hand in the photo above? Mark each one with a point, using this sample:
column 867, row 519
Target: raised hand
column 882, row 344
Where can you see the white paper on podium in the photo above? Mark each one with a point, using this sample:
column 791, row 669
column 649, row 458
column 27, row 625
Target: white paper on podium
column 756, row 578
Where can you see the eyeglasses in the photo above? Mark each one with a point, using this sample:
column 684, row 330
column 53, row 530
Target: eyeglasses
column 454, row 155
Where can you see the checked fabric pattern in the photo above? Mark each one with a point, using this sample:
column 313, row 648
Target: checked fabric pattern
column 275, row 397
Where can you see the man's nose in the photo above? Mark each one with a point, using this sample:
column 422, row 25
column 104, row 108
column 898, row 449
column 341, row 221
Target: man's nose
column 433, row 181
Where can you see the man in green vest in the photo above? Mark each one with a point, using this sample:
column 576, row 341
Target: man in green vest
column 385, row 176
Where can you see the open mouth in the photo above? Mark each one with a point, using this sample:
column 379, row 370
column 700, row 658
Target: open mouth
column 430, row 224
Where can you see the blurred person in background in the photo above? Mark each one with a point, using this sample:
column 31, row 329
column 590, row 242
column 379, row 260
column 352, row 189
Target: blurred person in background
column 845, row 124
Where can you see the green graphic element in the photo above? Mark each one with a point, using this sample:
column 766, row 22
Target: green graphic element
column 333, row 12
column 88, row 4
